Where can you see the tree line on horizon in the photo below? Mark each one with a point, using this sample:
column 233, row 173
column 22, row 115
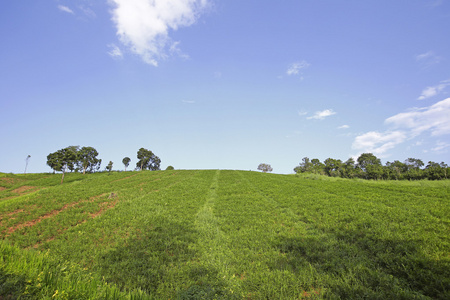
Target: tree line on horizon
column 368, row 166
column 76, row 158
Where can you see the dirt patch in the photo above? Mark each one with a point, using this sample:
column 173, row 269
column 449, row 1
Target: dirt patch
column 24, row 189
column 2, row 188
column 104, row 206
column 40, row 219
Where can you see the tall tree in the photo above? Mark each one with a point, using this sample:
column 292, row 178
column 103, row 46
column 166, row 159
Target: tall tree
column 109, row 166
column 333, row 167
column 147, row 160
column 126, row 162
column 87, row 159
column 62, row 159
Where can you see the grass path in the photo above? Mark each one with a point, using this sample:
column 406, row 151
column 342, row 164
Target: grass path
column 216, row 253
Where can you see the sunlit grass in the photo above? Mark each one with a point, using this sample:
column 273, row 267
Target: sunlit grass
column 222, row 235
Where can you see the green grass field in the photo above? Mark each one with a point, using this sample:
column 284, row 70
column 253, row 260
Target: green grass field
column 210, row 234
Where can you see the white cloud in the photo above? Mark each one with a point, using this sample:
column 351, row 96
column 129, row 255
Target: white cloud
column 144, row 25
column 378, row 142
column 434, row 120
column 65, row 9
column 302, row 113
column 320, row 115
column 88, row 11
column 295, row 68
column 115, row 51
column 344, row 127
column 441, row 147
column 434, row 90
column 188, row 101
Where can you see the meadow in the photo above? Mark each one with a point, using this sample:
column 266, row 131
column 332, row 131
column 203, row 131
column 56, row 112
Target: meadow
column 222, row 234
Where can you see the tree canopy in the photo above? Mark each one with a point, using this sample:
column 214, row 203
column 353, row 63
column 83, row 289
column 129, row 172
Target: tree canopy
column 126, row 162
column 265, row 168
column 87, row 159
column 147, row 160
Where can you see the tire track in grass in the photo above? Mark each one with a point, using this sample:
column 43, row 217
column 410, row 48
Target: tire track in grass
column 213, row 242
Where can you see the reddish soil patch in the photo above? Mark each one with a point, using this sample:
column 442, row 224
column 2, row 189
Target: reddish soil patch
column 38, row 220
column 24, row 189
column 2, row 188
column 104, row 207
column 9, row 180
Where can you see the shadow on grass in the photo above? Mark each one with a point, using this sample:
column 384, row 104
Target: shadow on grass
column 356, row 266
column 162, row 263
column 11, row 286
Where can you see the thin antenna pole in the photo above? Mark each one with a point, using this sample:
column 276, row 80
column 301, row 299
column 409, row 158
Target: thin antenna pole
column 26, row 163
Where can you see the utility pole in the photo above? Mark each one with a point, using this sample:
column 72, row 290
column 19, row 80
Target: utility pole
column 26, row 163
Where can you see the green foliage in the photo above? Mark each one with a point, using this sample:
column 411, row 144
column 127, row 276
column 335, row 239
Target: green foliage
column 87, row 159
column 147, row 160
column 370, row 167
column 169, row 168
column 126, row 162
column 222, row 235
column 265, row 168
column 109, row 166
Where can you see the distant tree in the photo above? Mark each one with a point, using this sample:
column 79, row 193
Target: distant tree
column 317, row 167
column 170, row 168
column 147, row 160
column 371, row 165
column 304, row 166
column 349, row 168
column 26, row 163
column 109, row 166
column 126, row 162
column 395, row 170
column 62, row 159
column 87, row 159
column 73, row 163
column 333, row 167
column 265, row 168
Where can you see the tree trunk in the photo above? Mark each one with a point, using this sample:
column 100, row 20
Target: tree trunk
column 64, row 173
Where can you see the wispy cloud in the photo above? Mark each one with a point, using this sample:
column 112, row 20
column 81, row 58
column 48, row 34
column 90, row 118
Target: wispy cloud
column 65, row 9
column 433, row 120
column 188, row 101
column 434, row 90
column 294, row 68
column 320, row 115
column 344, row 127
column 378, row 142
column 144, row 25
column 115, row 51
column 441, row 147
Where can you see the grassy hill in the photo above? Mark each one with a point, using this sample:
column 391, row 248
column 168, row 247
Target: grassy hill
column 210, row 234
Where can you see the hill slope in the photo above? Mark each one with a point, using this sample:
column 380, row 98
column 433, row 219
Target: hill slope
column 222, row 234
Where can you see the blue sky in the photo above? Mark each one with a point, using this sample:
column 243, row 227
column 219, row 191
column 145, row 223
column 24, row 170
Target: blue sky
column 225, row 84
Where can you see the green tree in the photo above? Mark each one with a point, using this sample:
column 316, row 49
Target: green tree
column 169, row 168
column 371, row 165
column 265, row 168
column 109, row 166
column 147, row 160
column 126, row 162
column 62, row 159
column 349, row 168
column 395, row 170
column 87, row 159
column 317, row 167
column 333, row 167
